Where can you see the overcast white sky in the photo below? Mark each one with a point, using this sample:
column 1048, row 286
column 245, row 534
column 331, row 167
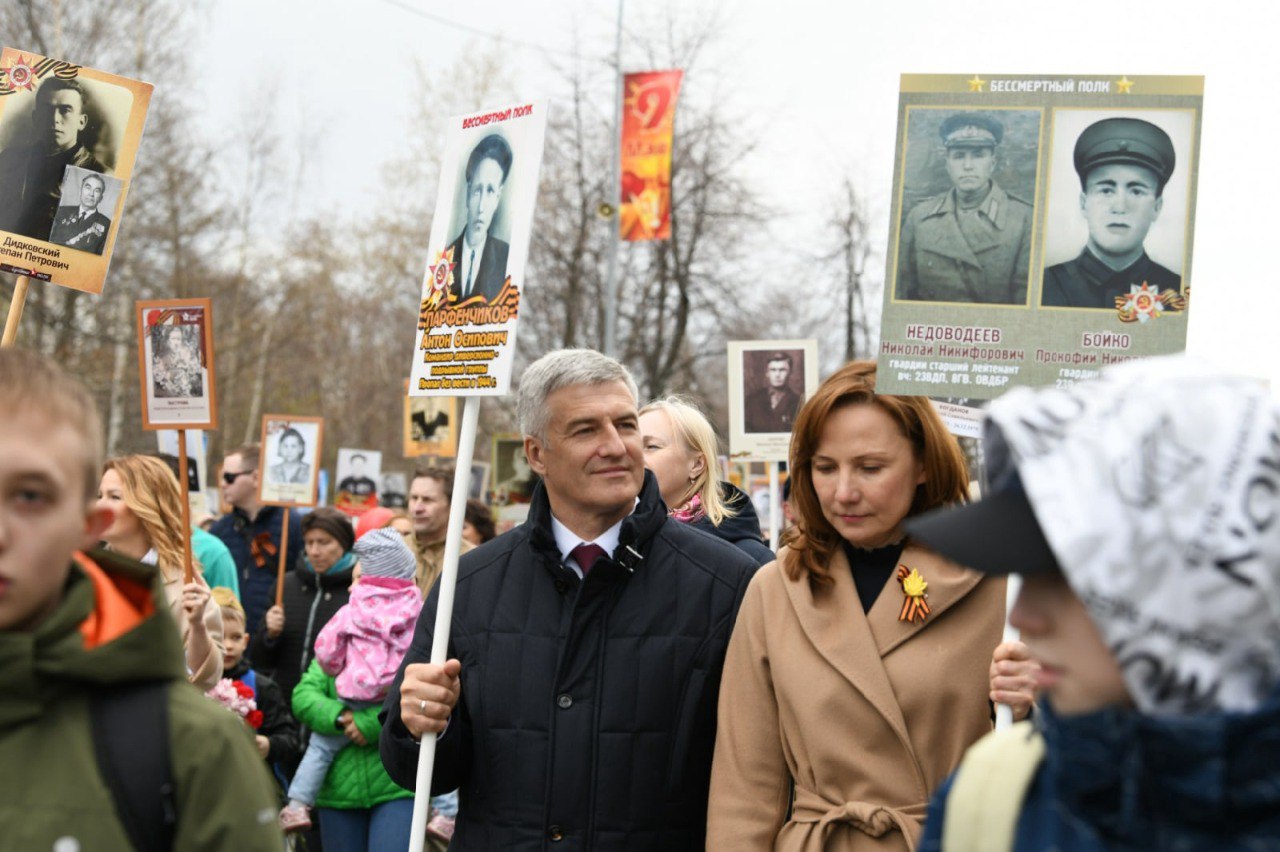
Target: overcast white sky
column 826, row 76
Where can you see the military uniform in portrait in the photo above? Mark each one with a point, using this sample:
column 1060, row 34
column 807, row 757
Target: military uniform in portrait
column 950, row 254
column 74, row 228
column 973, row 242
column 1087, row 282
column 1123, row 164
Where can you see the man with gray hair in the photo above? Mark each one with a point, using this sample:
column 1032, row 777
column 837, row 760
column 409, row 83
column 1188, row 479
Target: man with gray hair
column 578, row 704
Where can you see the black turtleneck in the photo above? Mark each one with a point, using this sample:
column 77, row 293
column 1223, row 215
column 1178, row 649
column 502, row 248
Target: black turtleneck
column 871, row 569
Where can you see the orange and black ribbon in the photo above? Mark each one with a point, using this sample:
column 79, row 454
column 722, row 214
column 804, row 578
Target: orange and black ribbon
column 262, row 547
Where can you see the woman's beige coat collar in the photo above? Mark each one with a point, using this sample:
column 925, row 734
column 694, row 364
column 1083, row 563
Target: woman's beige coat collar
column 855, row 646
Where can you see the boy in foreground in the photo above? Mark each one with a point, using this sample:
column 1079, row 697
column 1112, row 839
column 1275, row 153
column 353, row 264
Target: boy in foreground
column 1143, row 511
column 83, row 633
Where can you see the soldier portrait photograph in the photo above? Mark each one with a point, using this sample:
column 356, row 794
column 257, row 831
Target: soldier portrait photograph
column 479, row 254
column 1117, row 206
column 62, row 123
column 968, row 191
column 773, row 389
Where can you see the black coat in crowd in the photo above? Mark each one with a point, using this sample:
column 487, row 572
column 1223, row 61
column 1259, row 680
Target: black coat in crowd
column 278, row 724
column 742, row 529
column 588, row 709
column 309, row 601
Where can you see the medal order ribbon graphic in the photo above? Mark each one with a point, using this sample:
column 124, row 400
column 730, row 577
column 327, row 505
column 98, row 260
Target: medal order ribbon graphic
column 1147, row 303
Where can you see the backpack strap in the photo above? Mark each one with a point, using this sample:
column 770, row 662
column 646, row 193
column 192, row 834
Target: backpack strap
column 130, row 727
column 989, row 788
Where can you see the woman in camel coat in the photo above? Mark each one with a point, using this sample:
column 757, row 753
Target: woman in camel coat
column 849, row 696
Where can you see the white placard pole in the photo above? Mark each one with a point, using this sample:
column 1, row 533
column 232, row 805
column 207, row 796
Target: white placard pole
column 1004, row 713
column 775, row 509
column 444, row 610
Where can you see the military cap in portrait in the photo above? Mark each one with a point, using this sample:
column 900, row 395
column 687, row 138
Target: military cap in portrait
column 1131, row 141
column 970, row 130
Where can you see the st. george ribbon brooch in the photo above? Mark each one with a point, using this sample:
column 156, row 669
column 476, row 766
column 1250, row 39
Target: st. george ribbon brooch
column 914, row 605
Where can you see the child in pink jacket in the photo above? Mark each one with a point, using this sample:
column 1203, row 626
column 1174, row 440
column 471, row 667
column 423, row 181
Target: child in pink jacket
column 362, row 645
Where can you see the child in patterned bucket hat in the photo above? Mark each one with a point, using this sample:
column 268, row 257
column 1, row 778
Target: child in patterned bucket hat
column 1143, row 511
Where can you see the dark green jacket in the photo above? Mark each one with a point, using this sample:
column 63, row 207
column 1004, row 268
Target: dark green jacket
column 112, row 627
column 356, row 780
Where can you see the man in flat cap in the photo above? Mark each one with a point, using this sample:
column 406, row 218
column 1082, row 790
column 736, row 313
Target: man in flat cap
column 973, row 243
column 1124, row 164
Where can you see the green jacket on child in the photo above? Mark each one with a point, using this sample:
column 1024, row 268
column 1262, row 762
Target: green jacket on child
column 356, row 780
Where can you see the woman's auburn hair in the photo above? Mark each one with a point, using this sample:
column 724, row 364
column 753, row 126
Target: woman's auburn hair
column 152, row 493
column 812, row 540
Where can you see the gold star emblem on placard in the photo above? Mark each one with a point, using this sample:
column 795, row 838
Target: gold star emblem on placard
column 1124, row 84
column 976, row 84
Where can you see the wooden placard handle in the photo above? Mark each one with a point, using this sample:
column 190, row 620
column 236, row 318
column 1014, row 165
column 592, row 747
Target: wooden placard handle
column 15, row 311
column 188, row 570
column 284, row 557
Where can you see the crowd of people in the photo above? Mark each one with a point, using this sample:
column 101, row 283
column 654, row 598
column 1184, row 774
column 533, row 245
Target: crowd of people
column 633, row 667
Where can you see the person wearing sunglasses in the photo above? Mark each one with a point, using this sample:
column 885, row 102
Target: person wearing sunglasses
column 251, row 532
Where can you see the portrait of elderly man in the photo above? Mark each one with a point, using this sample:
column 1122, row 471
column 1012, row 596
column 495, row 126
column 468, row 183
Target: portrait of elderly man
column 773, row 406
column 31, row 169
column 1123, row 165
column 578, row 703
column 973, row 242
column 81, row 226
column 480, row 257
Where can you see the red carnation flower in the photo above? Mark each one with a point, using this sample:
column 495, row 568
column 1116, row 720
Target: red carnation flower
column 242, row 690
column 254, row 719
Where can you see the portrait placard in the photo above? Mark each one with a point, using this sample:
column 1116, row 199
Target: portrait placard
column 479, row 486
column 357, row 475
column 475, row 271
column 510, row 516
column 69, row 136
column 963, row 421
column 430, row 425
column 513, row 478
column 1041, row 229
column 197, row 480
column 175, row 363
column 394, row 490
column 759, row 492
column 768, row 382
column 290, row 460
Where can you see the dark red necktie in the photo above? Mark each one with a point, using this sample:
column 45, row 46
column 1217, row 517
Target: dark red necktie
column 586, row 555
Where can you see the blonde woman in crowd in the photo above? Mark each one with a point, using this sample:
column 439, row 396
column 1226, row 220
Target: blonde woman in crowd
column 144, row 495
column 680, row 448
